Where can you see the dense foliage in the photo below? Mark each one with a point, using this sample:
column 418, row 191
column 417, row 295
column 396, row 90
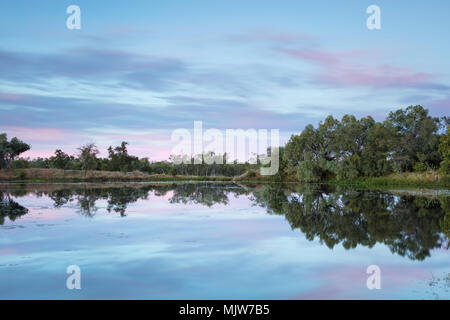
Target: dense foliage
column 444, row 150
column 408, row 140
column 9, row 150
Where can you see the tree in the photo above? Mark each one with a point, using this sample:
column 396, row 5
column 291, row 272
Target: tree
column 9, row 208
column 350, row 143
column 120, row 160
column 60, row 160
column 444, row 150
column 312, row 152
column 88, row 157
column 9, row 150
column 411, row 226
column 381, row 140
column 417, row 138
column 309, row 171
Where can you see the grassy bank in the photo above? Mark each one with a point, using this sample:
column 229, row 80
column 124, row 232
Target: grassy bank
column 428, row 179
column 58, row 175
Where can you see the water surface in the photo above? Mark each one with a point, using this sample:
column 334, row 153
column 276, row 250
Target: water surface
column 222, row 241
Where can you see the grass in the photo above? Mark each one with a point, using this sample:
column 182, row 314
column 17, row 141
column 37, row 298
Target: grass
column 413, row 179
column 427, row 179
column 58, row 175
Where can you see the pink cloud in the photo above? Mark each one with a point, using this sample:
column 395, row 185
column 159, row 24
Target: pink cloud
column 44, row 141
column 10, row 96
column 137, row 137
column 440, row 106
column 155, row 146
column 38, row 134
column 271, row 36
column 38, row 153
column 8, row 251
column 152, row 153
column 348, row 282
column 379, row 76
column 350, row 68
column 320, row 57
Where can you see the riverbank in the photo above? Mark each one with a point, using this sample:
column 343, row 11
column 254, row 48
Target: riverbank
column 430, row 179
column 58, row 175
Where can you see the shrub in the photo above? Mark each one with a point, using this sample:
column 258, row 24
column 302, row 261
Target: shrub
column 19, row 164
column 445, row 167
column 420, row 167
column 348, row 168
column 444, row 150
column 251, row 174
column 309, row 171
column 21, row 175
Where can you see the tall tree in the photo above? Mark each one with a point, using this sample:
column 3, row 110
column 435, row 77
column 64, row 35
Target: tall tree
column 88, row 156
column 444, row 150
column 119, row 158
column 60, row 160
column 418, row 138
column 9, row 150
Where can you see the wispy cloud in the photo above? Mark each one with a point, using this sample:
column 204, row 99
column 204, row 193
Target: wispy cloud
column 273, row 37
column 357, row 69
column 83, row 63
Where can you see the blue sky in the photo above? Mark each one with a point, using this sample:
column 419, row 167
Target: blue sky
column 137, row 70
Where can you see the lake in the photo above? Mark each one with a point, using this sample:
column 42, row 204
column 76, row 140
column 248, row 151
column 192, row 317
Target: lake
column 222, row 241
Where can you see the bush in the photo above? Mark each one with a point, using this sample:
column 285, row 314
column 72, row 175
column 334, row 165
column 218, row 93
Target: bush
column 21, row 175
column 19, row 164
column 348, row 168
column 309, row 171
column 251, row 174
column 445, row 167
column 420, row 167
column 444, row 150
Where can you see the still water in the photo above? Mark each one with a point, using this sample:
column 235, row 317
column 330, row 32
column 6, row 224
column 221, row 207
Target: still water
column 222, row 241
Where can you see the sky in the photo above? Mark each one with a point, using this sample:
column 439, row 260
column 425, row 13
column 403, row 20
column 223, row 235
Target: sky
column 138, row 70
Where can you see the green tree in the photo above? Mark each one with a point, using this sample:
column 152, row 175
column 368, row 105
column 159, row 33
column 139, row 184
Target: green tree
column 120, row 160
column 9, row 150
column 88, row 157
column 312, row 152
column 444, row 150
column 60, row 160
column 350, row 145
column 309, row 171
column 417, row 138
column 381, row 140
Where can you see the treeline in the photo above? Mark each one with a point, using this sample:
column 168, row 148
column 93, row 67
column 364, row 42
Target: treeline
column 408, row 140
column 118, row 160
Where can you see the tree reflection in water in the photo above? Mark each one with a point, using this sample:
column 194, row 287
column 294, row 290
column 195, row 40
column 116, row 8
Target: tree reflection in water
column 9, row 208
column 409, row 225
